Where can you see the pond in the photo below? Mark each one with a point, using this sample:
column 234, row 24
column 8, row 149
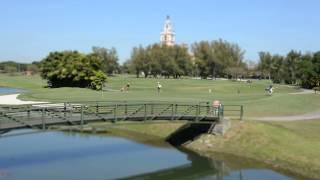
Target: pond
column 60, row 155
column 7, row 90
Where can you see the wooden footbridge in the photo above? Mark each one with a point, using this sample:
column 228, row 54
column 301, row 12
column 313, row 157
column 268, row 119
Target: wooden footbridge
column 41, row 116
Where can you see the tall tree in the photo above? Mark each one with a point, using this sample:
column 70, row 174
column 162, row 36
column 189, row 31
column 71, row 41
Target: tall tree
column 265, row 64
column 73, row 69
column 213, row 58
column 292, row 62
column 109, row 59
column 315, row 80
column 162, row 60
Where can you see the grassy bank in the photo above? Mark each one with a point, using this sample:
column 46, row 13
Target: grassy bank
column 292, row 146
column 256, row 102
column 155, row 130
column 151, row 133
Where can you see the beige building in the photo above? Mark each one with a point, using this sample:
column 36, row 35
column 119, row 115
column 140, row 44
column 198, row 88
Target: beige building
column 167, row 36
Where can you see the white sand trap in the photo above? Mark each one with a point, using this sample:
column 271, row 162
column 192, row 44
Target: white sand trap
column 13, row 100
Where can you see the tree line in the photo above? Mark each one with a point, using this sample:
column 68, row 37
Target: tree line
column 295, row 68
column 220, row 58
column 12, row 67
column 207, row 59
column 157, row 60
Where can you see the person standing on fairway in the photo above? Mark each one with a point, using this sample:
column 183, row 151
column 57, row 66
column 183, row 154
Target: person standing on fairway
column 127, row 87
column 269, row 90
column 159, row 86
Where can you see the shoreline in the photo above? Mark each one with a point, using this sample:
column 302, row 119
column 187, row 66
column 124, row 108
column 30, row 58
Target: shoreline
column 12, row 99
column 210, row 145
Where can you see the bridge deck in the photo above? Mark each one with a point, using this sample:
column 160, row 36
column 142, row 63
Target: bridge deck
column 43, row 115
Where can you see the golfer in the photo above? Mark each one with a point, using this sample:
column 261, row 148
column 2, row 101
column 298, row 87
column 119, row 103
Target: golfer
column 159, row 86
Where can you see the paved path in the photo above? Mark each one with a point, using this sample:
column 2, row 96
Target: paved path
column 304, row 91
column 307, row 116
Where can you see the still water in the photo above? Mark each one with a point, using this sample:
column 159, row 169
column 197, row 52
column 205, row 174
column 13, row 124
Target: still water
column 58, row 155
column 7, row 90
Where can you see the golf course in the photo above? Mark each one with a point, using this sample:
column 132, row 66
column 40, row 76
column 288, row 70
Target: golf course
column 284, row 101
column 290, row 146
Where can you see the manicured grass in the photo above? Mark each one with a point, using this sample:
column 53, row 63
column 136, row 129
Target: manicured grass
column 256, row 102
column 159, row 130
column 293, row 146
column 150, row 133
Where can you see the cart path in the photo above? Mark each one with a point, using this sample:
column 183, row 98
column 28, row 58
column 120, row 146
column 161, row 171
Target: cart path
column 307, row 116
column 304, row 91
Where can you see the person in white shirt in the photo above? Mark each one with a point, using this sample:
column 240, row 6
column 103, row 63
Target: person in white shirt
column 159, row 86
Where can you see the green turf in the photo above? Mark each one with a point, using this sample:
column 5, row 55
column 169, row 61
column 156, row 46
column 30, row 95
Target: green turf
column 294, row 146
column 256, row 102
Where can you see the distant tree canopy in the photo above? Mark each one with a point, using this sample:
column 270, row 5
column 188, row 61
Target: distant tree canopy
column 221, row 58
column 218, row 58
column 157, row 60
column 294, row 68
column 109, row 59
column 14, row 67
column 73, row 69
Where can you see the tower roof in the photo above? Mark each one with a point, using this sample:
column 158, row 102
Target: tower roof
column 167, row 36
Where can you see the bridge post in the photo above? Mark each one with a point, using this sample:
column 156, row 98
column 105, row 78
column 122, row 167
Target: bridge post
column 71, row 109
column 145, row 112
column 115, row 112
column 81, row 116
column 208, row 107
column 28, row 112
column 176, row 110
column 220, row 113
column 1, row 115
column 126, row 109
column 152, row 108
column 97, row 108
column 42, row 119
column 65, row 111
column 172, row 112
column 241, row 112
column 197, row 112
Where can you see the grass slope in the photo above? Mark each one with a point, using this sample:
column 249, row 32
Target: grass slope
column 293, row 146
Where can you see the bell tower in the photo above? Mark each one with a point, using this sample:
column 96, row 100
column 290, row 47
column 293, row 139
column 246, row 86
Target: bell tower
column 167, row 36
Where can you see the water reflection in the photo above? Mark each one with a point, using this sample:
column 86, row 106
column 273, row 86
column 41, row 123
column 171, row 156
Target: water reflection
column 56, row 155
column 205, row 168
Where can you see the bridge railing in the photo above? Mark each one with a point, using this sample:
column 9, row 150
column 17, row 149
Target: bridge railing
column 229, row 110
column 234, row 111
column 80, row 113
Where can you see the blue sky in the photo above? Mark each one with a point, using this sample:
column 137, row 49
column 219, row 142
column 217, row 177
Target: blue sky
column 30, row 29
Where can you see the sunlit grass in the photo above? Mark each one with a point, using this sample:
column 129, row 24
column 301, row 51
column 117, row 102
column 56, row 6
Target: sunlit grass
column 252, row 95
column 294, row 146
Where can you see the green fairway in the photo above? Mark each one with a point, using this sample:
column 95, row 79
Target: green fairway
column 256, row 102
